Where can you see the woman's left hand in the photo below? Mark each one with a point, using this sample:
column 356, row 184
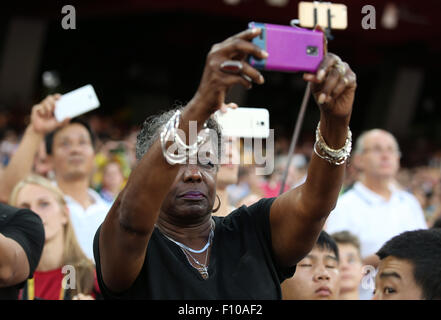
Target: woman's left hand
column 333, row 86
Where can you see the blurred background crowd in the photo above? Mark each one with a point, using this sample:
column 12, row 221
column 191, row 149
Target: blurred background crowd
column 115, row 156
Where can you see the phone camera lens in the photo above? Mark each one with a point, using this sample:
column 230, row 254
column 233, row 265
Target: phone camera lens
column 311, row 50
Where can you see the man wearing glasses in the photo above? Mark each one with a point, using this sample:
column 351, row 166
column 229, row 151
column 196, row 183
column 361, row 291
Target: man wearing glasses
column 376, row 208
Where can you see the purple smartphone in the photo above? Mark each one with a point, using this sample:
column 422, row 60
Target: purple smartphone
column 290, row 49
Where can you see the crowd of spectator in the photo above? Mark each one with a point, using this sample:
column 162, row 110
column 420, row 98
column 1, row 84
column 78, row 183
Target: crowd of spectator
column 125, row 221
column 114, row 158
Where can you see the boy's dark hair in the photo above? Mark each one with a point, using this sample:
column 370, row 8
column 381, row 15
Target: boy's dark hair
column 345, row 237
column 49, row 138
column 325, row 241
column 422, row 248
column 152, row 126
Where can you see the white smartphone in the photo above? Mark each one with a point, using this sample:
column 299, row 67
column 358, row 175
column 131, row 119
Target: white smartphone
column 76, row 102
column 244, row 122
column 320, row 11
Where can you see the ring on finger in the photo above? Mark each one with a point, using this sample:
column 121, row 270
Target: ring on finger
column 231, row 66
column 345, row 80
column 247, row 78
column 340, row 67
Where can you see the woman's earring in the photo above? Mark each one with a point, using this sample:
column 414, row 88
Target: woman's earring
column 217, row 208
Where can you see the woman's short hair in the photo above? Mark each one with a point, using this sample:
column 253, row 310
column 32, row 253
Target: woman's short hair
column 152, row 126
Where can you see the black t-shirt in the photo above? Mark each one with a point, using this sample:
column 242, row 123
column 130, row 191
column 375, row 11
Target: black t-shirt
column 26, row 228
column 241, row 264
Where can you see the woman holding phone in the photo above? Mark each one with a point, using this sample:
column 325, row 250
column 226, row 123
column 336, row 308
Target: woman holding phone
column 160, row 240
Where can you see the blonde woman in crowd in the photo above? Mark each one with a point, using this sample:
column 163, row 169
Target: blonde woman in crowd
column 64, row 272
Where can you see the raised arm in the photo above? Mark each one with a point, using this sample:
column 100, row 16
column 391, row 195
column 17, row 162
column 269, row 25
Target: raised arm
column 42, row 122
column 298, row 216
column 126, row 231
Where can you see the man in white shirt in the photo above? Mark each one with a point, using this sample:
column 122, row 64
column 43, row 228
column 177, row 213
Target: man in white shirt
column 70, row 150
column 375, row 209
column 87, row 221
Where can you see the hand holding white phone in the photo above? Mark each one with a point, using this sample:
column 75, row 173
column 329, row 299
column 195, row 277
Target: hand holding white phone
column 75, row 103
